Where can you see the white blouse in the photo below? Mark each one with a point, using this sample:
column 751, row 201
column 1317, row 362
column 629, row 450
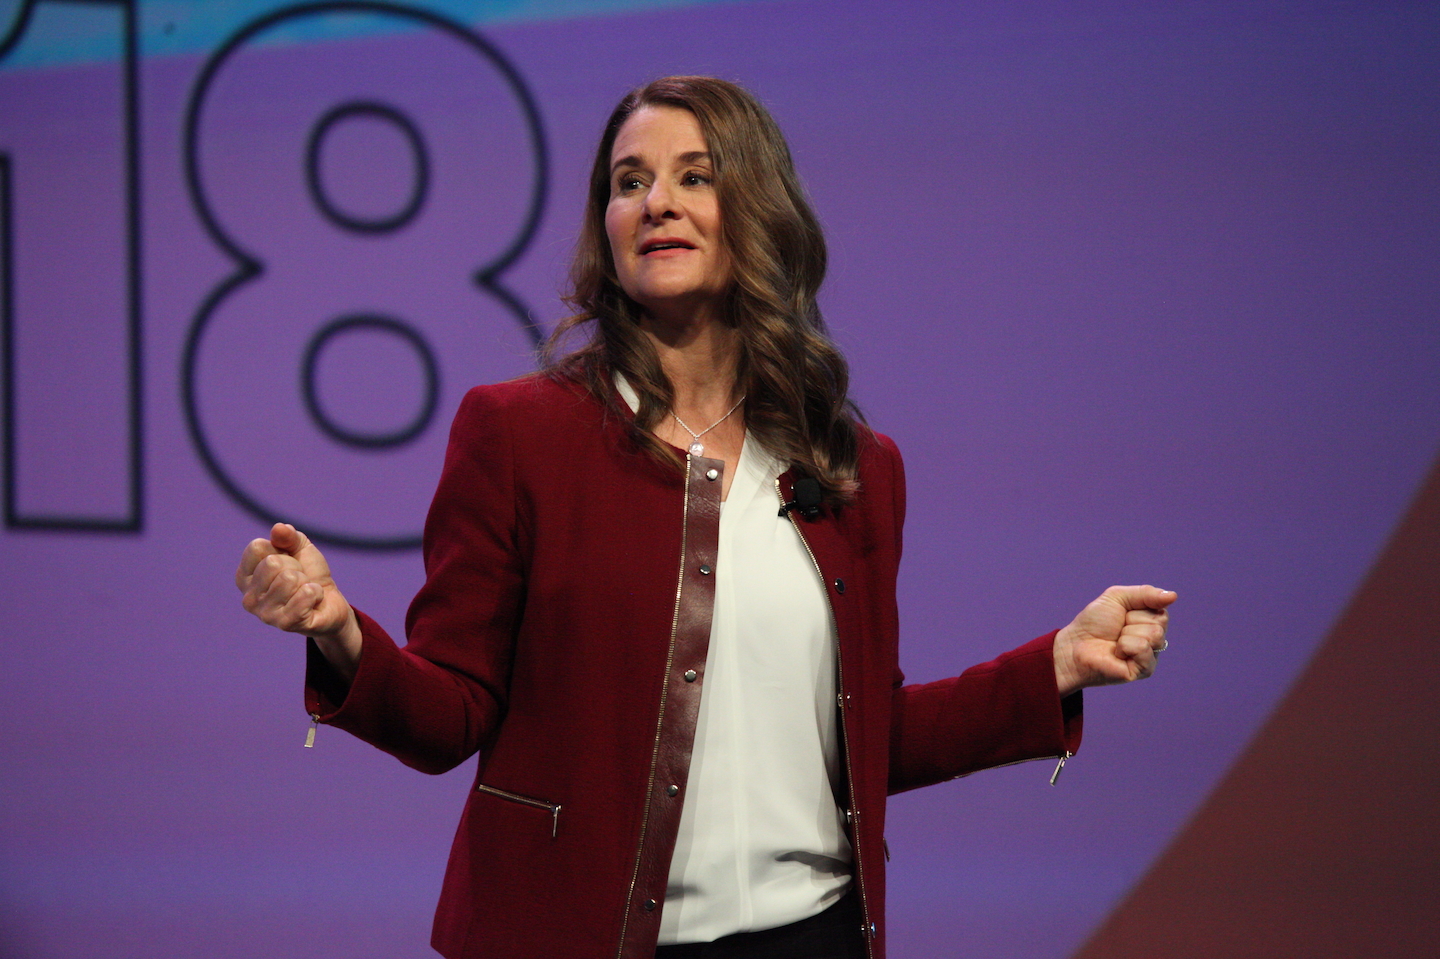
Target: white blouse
column 762, row 842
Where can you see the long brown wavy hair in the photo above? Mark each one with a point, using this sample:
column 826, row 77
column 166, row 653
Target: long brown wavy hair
column 794, row 378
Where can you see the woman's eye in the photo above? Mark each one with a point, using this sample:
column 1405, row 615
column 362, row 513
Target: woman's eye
column 627, row 183
column 695, row 179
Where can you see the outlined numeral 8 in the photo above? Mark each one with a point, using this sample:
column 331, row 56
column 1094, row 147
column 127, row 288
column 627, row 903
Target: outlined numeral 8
column 370, row 225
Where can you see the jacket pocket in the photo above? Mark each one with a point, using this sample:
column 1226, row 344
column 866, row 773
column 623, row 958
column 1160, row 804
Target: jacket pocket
column 552, row 807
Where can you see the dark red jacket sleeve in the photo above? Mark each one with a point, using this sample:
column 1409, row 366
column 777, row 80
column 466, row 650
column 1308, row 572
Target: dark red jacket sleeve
column 997, row 713
column 433, row 703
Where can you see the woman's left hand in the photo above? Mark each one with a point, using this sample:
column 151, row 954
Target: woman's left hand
column 1114, row 640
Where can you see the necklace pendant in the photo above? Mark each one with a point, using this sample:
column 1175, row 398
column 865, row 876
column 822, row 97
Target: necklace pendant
column 697, row 448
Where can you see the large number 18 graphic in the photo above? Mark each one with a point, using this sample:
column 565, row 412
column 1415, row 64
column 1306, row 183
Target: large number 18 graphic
column 370, row 226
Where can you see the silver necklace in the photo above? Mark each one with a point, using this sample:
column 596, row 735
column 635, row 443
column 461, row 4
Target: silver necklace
column 697, row 448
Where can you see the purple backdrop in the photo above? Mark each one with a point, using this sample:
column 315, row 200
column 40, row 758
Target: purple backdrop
column 1144, row 294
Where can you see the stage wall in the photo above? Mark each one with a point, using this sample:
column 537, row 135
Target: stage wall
column 1144, row 292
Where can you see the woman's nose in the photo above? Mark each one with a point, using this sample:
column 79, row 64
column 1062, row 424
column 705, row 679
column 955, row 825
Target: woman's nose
column 660, row 202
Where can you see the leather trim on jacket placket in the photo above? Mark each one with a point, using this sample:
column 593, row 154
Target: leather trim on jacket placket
column 679, row 707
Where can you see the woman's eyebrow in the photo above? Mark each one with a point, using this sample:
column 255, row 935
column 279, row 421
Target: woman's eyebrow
column 694, row 156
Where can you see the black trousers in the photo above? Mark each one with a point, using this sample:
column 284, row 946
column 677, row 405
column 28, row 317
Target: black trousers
column 832, row 934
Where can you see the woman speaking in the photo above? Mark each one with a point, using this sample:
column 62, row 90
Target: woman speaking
column 660, row 594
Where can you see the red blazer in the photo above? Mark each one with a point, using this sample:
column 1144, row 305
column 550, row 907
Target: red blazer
column 550, row 637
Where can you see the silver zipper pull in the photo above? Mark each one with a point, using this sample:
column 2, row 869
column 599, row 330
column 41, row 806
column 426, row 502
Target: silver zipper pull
column 1055, row 776
column 554, row 820
column 315, row 724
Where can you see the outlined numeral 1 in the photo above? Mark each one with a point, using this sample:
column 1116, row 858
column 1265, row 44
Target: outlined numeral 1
column 70, row 298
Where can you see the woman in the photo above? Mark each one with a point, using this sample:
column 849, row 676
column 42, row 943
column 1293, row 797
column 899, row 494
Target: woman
column 583, row 587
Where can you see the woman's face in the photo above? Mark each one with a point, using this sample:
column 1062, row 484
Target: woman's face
column 663, row 219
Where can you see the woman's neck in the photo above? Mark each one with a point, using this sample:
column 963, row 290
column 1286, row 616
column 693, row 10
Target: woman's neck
column 700, row 360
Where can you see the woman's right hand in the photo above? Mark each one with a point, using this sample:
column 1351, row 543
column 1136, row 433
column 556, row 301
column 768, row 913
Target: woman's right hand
column 285, row 581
